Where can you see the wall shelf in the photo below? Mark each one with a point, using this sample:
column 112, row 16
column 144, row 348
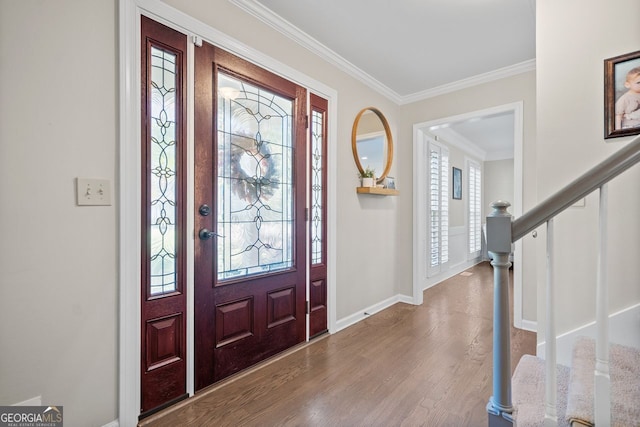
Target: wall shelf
column 377, row 191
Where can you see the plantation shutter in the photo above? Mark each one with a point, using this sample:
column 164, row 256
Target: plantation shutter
column 438, row 208
column 475, row 206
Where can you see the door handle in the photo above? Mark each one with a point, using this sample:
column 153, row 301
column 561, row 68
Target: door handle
column 205, row 234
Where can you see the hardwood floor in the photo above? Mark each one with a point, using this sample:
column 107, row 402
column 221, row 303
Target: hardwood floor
column 405, row 366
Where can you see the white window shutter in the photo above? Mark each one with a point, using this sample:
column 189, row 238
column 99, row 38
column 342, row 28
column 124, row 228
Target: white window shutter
column 438, row 199
column 475, row 208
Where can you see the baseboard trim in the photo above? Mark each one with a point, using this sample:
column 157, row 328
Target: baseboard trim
column 452, row 271
column 624, row 329
column 114, row 423
column 405, row 299
column 354, row 318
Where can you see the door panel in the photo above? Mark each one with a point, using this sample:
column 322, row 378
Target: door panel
column 163, row 343
column 164, row 336
column 250, row 169
column 318, row 221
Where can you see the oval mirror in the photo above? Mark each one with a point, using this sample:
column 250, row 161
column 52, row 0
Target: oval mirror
column 372, row 143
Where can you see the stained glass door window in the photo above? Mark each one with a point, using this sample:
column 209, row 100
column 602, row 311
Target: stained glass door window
column 162, row 165
column 317, row 188
column 255, row 180
column 318, row 218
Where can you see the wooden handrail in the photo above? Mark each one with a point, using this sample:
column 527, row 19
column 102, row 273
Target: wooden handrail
column 593, row 179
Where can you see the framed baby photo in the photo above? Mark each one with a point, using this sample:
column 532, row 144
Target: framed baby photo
column 457, row 183
column 622, row 95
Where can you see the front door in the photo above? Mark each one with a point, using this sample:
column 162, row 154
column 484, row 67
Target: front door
column 250, row 193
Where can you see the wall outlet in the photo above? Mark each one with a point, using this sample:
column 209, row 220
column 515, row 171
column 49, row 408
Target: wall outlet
column 93, row 192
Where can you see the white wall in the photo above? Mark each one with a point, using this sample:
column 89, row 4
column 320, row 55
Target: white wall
column 573, row 39
column 58, row 288
column 498, row 182
column 458, row 207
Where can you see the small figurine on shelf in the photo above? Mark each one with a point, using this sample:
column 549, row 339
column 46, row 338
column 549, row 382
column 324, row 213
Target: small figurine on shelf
column 368, row 177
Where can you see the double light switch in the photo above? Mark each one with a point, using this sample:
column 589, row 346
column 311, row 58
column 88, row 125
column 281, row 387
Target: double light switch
column 93, row 192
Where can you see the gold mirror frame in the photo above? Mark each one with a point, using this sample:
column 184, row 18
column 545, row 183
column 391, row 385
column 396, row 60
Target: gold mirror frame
column 389, row 140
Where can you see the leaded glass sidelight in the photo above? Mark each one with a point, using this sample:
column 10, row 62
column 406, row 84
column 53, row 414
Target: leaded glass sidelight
column 255, row 180
column 317, row 145
column 162, row 176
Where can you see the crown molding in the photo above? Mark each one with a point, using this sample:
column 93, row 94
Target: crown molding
column 262, row 13
column 500, row 73
column 453, row 138
column 499, row 155
column 283, row 26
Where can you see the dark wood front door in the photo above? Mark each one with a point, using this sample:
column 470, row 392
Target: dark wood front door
column 250, row 193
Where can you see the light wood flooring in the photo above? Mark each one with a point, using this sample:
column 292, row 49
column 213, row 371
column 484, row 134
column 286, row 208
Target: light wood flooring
column 408, row 365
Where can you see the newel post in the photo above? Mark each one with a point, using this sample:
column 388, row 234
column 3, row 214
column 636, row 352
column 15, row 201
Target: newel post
column 499, row 248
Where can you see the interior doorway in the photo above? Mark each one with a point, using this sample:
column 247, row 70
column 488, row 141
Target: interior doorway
column 455, row 130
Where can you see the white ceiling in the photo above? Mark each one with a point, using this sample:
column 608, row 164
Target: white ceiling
column 415, row 49
column 491, row 135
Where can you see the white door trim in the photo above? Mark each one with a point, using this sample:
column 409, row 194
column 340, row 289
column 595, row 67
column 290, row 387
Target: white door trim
column 419, row 194
column 130, row 181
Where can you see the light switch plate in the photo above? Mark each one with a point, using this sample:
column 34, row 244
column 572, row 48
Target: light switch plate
column 93, row 192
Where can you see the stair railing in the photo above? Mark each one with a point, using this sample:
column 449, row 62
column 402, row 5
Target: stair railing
column 502, row 232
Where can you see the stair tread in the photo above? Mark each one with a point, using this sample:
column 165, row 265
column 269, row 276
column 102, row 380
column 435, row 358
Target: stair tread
column 528, row 392
column 624, row 373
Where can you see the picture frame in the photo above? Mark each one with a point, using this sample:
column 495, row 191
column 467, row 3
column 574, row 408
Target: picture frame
column 457, row 183
column 390, row 182
column 621, row 118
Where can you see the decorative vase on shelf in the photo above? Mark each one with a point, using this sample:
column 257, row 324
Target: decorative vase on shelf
column 368, row 182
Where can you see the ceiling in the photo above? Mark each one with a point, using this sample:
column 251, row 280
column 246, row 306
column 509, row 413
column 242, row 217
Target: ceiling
column 490, row 135
column 415, row 49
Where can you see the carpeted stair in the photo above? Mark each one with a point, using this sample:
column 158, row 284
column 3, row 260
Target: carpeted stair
column 575, row 387
column 528, row 392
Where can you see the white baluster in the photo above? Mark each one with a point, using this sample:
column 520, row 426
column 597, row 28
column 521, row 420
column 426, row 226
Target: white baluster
column 550, row 412
column 602, row 394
